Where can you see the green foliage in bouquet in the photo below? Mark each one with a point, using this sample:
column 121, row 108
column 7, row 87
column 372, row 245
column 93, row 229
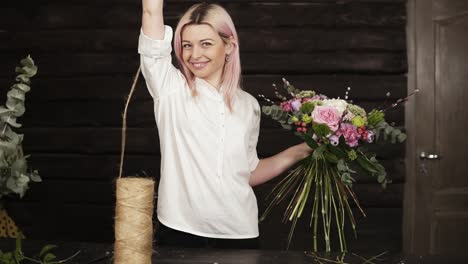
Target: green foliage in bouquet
column 338, row 132
column 14, row 176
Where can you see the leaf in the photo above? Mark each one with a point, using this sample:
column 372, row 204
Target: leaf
column 381, row 178
column 48, row 257
column 20, row 138
column 7, row 144
column 21, row 86
column 318, row 152
column 341, row 165
column 11, row 103
column 337, row 151
column 330, row 157
column 28, row 61
column 307, row 107
column 285, row 126
column 274, row 112
column 12, row 122
column 377, row 134
column 346, row 178
column 4, row 110
column 310, row 141
column 19, row 110
column 365, row 164
column 388, row 129
column 46, row 249
column 17, row 94
column 266, row 110
column 395, row 133
column 321, row 130
column 23, row 78
column 28, row 71
column 19, row 165
column 34, row 176
column 401, row 137
column 8, row 256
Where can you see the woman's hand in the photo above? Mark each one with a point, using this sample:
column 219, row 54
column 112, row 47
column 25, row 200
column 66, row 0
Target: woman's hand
column 152, row 21
column 304, row 150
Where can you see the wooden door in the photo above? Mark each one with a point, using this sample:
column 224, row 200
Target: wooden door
column 436, row 191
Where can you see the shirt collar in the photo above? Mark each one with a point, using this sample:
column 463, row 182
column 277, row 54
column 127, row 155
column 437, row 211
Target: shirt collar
column 208, row 88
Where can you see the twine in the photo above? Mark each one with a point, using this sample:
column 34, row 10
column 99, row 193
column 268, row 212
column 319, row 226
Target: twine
column 134, row 221
column 124, row 121
column 134, row 209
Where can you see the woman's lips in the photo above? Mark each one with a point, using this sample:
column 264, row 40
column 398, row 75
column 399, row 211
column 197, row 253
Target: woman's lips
column 199, row 65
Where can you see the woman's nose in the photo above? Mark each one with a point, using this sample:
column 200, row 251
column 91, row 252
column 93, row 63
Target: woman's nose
column 196, row 53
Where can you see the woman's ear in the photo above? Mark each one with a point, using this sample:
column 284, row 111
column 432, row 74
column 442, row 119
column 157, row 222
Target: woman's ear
column 230, row 45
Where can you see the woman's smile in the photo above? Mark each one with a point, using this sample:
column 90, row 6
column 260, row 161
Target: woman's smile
column 199, row 65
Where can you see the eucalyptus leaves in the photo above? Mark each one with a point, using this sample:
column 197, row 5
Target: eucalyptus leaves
column 14, row 176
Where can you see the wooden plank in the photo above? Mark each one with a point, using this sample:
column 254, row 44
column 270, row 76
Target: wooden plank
column 379, row 231
column 140, row 114
column 106, row 167
column 369, row 195
column 146, row 141
column 248, row 14
column 68, row 222
column 219, row 1
column 103, row 192
column 266, row 39
column 117, row 87
column 64, row 222
column 264, row 63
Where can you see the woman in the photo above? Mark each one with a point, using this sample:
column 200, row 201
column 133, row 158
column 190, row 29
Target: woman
column 208, row 129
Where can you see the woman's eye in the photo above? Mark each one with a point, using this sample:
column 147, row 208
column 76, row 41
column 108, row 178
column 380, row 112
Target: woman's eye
column 186, row 46
column 206, row 44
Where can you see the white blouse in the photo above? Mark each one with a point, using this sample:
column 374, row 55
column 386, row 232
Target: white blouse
column 207, row 153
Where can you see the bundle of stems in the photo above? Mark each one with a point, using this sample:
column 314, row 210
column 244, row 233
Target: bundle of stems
column 317, row 182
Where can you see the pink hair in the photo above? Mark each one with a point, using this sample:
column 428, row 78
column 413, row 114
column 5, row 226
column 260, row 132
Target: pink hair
column 217, row 17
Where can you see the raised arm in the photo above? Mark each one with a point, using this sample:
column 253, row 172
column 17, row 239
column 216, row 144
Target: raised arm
column 154, row 46
column 152, row 21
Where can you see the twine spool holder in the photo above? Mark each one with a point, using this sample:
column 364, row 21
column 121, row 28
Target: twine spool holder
column 134, row 210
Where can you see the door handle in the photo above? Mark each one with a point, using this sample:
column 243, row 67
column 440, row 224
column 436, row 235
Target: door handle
column 423, row 155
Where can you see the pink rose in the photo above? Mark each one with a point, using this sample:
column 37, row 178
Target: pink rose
column 349, row 133
column 326, row 115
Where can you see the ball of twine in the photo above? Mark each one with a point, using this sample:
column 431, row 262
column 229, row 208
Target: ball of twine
column 134, row 220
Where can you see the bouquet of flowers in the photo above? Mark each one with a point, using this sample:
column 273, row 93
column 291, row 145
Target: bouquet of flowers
column 337, row 131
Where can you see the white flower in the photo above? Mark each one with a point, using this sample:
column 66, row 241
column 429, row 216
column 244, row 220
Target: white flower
column 339, row 104
column 348, row 117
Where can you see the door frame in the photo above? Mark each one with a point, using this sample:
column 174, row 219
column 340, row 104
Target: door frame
column 419, row 126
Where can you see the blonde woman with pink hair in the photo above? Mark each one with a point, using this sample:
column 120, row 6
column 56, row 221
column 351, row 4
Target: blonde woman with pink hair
column 208, row 130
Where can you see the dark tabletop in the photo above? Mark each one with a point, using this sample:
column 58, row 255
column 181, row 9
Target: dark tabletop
column 100, row 253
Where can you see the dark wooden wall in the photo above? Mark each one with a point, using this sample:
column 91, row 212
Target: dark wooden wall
column 87, row 54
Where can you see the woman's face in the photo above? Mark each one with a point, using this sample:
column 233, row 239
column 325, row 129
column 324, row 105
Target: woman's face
column 204, row 52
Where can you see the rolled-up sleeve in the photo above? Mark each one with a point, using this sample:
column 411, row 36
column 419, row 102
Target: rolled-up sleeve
column 162, row 78
column 253, row 140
